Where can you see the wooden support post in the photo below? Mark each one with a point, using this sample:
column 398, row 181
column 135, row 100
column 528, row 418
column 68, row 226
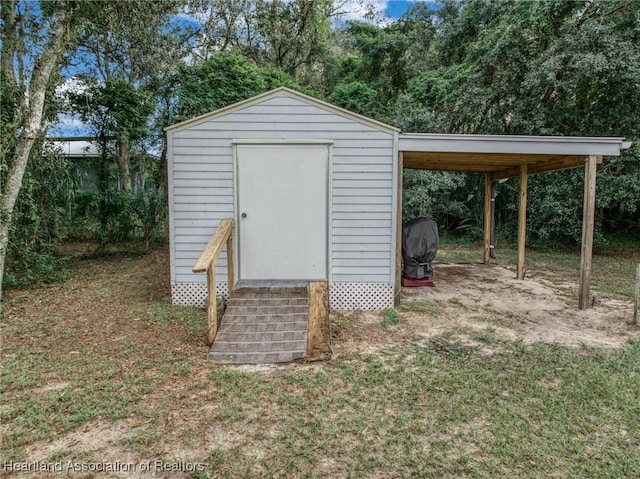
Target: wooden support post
column 319, row 330
column 588, row 220
column 398, row 282
column 522, row 221
column 230, row 259
column 636, row 304
column 487, row 218
column 212, row 304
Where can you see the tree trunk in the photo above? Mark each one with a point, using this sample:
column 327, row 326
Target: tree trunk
column 34, row 120
column 124, row 154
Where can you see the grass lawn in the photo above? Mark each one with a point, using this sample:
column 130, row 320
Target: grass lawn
column 102, row 369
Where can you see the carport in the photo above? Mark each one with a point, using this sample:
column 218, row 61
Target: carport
column 501, row 157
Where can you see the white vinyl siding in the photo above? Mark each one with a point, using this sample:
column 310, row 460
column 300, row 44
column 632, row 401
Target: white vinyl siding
column 361, row 194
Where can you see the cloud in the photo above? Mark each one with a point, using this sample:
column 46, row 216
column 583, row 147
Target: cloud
column 72, row 84
column 367, row 11
column 68, row 125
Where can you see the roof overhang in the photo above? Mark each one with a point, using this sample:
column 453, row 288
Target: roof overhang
column 501, row 156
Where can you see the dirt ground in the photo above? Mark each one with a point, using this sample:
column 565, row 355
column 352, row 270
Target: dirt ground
column 478, row 298
column 104, row 302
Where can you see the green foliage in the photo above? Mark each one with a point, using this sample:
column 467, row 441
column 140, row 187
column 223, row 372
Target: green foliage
column 150, row 211
column 387, row 57
column 41, row 218
column 113, row 210
column 115, row 109
column 447, row 198
column 390, row 318
column 444, row 103
column 165, row 312
column 294, row 35
column 112, row 216
column 224, row 79
column 355, row 96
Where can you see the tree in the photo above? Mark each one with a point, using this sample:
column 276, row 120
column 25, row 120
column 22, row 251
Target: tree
column 225, row 25
column 116, row 109
column 35, row 37
column 224, row 79
column 294, row 36
column 41, row 217
column 355, row 96
column 126, row 49
column 385, row 58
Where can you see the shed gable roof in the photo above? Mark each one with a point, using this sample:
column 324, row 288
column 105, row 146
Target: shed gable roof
column 283, row 92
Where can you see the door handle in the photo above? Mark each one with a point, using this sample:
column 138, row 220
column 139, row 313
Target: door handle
column 243, row 215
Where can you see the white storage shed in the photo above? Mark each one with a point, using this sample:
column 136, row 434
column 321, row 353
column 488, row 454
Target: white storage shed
column 311, row 188
column 314, row 193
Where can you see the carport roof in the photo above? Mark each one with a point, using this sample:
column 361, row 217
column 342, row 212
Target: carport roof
column 502, row 155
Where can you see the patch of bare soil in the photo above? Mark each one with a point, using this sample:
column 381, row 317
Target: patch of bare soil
column 488, row 299
column 99, row 445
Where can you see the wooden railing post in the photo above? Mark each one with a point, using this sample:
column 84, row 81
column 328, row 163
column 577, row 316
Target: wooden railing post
column 212, row 306
column 207, row 262
column 230, row 259
column 318, row 333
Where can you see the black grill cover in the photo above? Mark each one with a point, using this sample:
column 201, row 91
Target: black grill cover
column 419, row 247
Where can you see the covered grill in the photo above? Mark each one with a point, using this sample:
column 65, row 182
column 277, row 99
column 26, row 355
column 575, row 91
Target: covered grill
column 419, row 248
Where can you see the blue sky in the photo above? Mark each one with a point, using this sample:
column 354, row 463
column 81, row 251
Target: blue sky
column 395, row 8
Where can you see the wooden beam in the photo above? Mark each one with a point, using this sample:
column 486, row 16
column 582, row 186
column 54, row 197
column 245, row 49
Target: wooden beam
column 506, row 158
column 588, row 220
column 495, row 162
column 398, row 282
column 540, row 167
column 230, row 264
column 214, row 246
column 487, row 218
column 212, row 304
column 465, row 160
column 319, row 329
column 466, row 168
column 522, row 221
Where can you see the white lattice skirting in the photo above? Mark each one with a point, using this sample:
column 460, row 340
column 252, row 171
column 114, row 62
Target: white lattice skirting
column 195, row 294
column 363, row 296
column 345, row 296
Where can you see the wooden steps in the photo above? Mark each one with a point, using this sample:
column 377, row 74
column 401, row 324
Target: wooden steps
column 263, row 324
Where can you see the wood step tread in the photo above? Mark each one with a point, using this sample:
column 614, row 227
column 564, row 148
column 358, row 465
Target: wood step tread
column 267, row 292
column 259, row 327
column 266, row 311
column 256, row 358
column 258, row 347
column 266, row 317
column 279, row 301
column 234, row 336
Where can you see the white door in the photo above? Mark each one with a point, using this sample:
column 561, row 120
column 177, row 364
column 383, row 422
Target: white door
column 282, row 211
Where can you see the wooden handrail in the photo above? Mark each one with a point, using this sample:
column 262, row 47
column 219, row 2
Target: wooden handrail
column 214, row 246
column 207, row 262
